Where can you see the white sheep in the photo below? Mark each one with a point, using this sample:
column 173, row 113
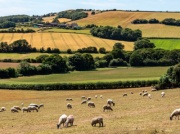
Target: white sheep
column 175, row 113
column 62, row 120
column 162, row 94
column 40, row 105
column 32, row 108
column 91, row 104
column 125, row 94
column 107, row 108
column 101, row 96
column 14, row 110
column 69, row 106
column 83, row 97
column 35, row 105
column 83, row 102
column 17, row 107
column 145, row 94
column 153, row 88
column 149, row 96
column 96, row 96
column 3, row 109
column 70, row 120
column 110, row 102
column 88, row 98
column 131, row 92
column 69, row 99
column 140, row 93
column 25, row 109
column 97, row 120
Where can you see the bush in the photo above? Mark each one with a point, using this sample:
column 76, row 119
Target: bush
column 117, row 62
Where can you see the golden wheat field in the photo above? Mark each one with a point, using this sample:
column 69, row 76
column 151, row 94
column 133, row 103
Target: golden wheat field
column 63, row 41
column 132, row 114
column 48, row 19
column 115, row 18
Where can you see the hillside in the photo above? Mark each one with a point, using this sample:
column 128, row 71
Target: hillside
column 115, row 18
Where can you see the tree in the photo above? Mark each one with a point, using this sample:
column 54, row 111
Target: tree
column 118, row 45
column 102, row 50
column 136, row 59
column 143, row 43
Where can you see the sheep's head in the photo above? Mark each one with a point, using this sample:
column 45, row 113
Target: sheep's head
column 170, row 117
column 58, row 126
column 113, row 104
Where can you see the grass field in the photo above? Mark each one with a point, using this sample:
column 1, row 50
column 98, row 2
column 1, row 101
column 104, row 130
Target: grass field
column 63, row 41
column 99, row 75
column 133, row 114
column 4, row 65
column 168, row 44
column 115, row 18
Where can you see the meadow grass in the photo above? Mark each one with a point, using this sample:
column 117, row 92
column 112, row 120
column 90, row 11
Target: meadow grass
column 133, row 114
column 99, row 75
column 168, row 44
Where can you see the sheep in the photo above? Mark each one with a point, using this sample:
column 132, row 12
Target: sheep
column 131, row 92
column 35, row 105
column 175, row 113
column 69, row 106
column 14, row 110
column 145, row 94
column 149, row 96
column 91, row 104
column 162, row 94
column 96, row 96
column 26, row 109
column 3, row 109
column 107, row 107
column 17, row 107
column 32, row 108
column 140, row 93
column 70, row 120
column 83, row 102
column 62, row 120
column 101, row 96
column 97, row 120
column 40, row 105
column 69, row 99
column 83, row 97
column 153, row 88
column 125, row 94
column 88, row 98
column 110, row 101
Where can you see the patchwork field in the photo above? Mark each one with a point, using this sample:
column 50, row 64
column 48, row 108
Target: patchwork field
column 63, row 41
column 115, row 18
column 133, row 114
column 99, row 75
column 168, row 44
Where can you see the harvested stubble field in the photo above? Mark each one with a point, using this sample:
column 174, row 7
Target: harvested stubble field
column 132, row 114
column 115, row 18
column 63, row 41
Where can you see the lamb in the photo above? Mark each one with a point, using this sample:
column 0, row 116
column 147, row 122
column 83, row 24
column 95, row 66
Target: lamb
column 62, row 120
column 153, row 88
column 131, row 92
column 149, row 96
column 145, row 94
column 3, row 109
column 70, row 120
column 175, row 113
column 91, row 104
column 69, row 106
column 107, row 108
column 140, row 93
column 101, row 96
column 96, row 96
column 83, row 97
column 97, row 120
column 162, row 94
column 69, row 99
column 40, row 105
column 17, row 107
column 35, row 105
column 32, row 108
column 83, row 102
column 25, row 109
column 110, row 101
column 88, row 98
column 125, row 94
column 14, row 110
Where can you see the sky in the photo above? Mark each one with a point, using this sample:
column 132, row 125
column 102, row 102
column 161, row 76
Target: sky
column 40, row 7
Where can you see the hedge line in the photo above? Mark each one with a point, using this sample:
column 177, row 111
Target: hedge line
column 81, row 86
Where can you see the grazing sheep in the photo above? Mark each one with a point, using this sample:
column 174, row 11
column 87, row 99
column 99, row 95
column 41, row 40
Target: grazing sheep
column 101, row 96
column 88, row 98
column 32, row 108
column 69, row 99
column 69, row 106
column 125, row 94
column 35, row 105
column 83, row 97
column 62, row 120
column 83, row 102
column 145, row 94
column 140, row 93
column 175, row 113
column 3, row 109
column 96, row 96
column 14, row 110
column 70, row 120
column 107, row 108
column 17, row 107
column 25, row 109
column 131, row 92
column 153, row 88
column 110, row 101
column 162, row 94
column 40, row 105
column 97, row 120
column 91, row 104
column 149, row 96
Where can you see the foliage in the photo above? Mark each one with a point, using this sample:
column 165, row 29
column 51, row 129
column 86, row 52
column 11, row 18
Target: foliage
column 8, row 73
column 13, row 30
column 140, row 21
column 16, row 18
column 143, row 43
column 7, row 24
column 117, row 62
column 171, row 21
column 88, row 50
column 102, row 50
column 118, row 45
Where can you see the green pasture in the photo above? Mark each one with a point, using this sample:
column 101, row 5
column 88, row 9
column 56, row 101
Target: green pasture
column 99, row 75
column 168, row 44
column 60, row 30
column 17, row 56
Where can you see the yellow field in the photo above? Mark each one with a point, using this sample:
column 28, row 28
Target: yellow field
column 63, row 20
column 48, row 19
column 132, row 114
column 115, row 18
column 63, row 41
